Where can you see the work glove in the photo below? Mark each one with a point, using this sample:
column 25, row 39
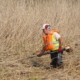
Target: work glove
column 60, row 49
column 40, row 54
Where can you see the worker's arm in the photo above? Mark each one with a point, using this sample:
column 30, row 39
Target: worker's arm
column 41, row 52
column 60, row 42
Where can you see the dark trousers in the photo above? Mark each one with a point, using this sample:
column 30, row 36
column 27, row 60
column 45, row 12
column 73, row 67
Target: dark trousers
column 56, row 58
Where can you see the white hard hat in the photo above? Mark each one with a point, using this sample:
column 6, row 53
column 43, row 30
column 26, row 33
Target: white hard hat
column 45, row 26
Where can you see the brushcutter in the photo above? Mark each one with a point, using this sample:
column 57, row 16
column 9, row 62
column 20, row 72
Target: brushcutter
column 67, row 48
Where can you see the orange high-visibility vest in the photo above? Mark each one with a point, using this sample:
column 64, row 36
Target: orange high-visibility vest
column 50, row 42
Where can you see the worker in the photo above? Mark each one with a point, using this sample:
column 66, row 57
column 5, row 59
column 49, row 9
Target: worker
column 53, row 43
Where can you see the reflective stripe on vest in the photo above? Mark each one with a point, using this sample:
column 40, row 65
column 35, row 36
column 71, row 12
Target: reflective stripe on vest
column 55, row 42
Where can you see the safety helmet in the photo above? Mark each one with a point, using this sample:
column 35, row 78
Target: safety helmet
column 46, row 26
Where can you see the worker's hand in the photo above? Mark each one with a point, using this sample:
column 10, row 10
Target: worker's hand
column 60, row 49
column 40, row 54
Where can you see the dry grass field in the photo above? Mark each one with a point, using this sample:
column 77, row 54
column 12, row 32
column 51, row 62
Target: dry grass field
column 21, row 36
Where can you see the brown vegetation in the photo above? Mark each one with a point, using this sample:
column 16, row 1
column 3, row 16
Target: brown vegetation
column 21, row 36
